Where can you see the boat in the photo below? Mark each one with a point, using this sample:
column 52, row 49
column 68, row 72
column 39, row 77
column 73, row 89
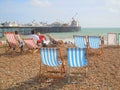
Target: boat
column 41, row 27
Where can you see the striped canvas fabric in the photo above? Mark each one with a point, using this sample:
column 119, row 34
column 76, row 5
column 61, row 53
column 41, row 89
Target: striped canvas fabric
column 11, row 39
column 76, row 57
column 49, row 56
column 119, row 38
column 80, row 41
column 94, row 41
column 112, row 38
column 30, row 43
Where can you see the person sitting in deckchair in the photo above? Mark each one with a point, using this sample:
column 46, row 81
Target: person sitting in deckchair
column 19, row 39
column 34, row 36
column 53, row 41
column 41, row 40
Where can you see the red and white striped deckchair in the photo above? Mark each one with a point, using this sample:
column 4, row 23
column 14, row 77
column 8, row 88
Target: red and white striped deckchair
column 31, row 45
column 12, row 42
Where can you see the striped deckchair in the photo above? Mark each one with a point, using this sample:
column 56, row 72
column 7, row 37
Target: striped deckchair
column 0, row 43
column 112, row 39
column 30, row 43
column 119, row 39
column 49, row 58
column 76, row 58
column 80, row 41
column 95, row 42
column 12, row 42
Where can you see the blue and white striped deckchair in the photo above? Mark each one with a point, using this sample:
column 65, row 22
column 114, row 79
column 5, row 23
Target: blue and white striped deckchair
column 94, row 42
column 49, row 57
column 77, row 58
column 80, row 41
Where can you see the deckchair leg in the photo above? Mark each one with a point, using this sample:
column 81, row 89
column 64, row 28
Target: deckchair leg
column 46, row 69
column 7, row 50
column 62, row 69
column 21, row 49
column 35, row 50
column 86, row 72
column 87, row 52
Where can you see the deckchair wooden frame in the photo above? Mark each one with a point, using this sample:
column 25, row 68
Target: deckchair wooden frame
column 99, row 48
column 52, row 74
column 12, row 43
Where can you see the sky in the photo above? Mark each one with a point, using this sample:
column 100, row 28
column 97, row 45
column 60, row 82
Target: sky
column 89, row 13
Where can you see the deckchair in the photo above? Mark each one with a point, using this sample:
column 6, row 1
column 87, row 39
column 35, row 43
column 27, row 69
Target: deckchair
column 30, row 43
column 112, row 39
column 95, row 42
column 0, row 43
column 119, row 39
column 51, row 58
column 80, row 41
column 12, row 42
column 76, row 59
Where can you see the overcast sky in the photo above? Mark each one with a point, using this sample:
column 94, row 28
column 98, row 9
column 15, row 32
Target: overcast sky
column 90, row 13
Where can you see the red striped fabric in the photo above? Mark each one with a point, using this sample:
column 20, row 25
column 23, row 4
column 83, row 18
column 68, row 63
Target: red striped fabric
column 11, row 39
column 30, row 43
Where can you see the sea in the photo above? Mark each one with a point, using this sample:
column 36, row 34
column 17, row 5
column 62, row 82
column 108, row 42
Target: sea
column 68, row 36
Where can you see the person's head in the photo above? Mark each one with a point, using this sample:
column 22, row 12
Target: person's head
column 16, row 32
column 38, row 33
column 33, row 32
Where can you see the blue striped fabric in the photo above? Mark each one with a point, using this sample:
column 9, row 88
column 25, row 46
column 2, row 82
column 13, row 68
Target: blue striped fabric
column 76, row 57
column 94, row 41
column 49, row 56
column 79, row 41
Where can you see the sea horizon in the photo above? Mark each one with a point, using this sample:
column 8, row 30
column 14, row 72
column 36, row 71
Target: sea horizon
column 93, row 31
column 86, row 31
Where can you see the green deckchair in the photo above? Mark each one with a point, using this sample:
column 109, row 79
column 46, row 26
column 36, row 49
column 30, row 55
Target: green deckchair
column 119, row 38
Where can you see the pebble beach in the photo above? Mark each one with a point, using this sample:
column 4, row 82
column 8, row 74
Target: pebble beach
column 21, row 72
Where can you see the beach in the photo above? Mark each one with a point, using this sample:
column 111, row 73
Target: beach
column 34, row 30
column 20, row 72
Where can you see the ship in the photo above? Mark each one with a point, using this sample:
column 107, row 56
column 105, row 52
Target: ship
column 41, row 27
